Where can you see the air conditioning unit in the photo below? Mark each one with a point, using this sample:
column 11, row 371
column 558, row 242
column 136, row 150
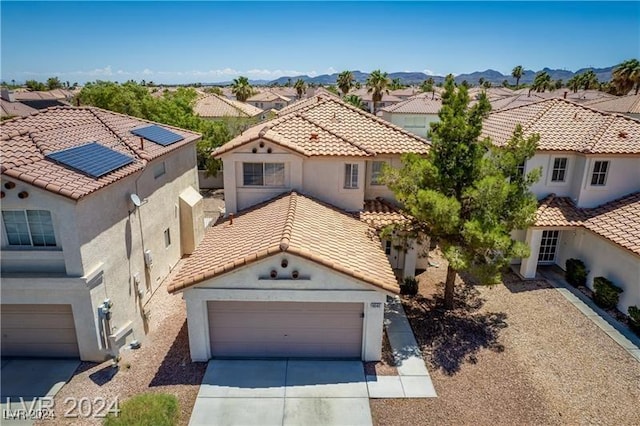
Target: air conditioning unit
column 148, row 259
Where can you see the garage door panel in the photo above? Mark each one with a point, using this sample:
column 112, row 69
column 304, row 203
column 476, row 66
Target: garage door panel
column 281, row 329
column 38, row 331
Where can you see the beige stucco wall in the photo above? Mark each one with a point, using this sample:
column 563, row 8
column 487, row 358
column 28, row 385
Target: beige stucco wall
column 605, row 259
column 420, row 128
column 316, row 284
column 372, row 192
column 102, row 235
column 623, row 178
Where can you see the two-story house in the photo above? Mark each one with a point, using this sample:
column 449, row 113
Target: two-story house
column 414, row 114
column 296, row 267
column 268, row 100
column 589, row 191
column 97, row 208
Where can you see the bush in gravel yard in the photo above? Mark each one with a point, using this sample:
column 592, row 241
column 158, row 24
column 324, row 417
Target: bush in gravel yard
column 576, row 274
column 409, row 286
column 634, row 319
column 150, row 409
column 606, row 293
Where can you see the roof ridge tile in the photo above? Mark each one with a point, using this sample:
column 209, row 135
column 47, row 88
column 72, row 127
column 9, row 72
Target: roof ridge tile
column 289, row 221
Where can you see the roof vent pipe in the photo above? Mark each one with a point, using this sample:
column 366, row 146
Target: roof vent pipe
column 565, row 94
column 230, row 218
column 142, row 143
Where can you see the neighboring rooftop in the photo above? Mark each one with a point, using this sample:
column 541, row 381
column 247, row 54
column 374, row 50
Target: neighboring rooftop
column 618, row 221
column 567, row 126
column 580, row 96
column 379, row 213
column 424, row 103
column 268, row 96
column 515, row 101
column 15, row 109
column 629, row 104
column 327, row 126
column 214, row 106
column 26, row 142
column 290, row 223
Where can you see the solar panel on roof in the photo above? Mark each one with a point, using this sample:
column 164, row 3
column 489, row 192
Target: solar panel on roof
column 92, row 159
column 158, row 135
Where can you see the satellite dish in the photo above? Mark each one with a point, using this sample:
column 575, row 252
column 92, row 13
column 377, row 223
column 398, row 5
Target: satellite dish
column 135, row 200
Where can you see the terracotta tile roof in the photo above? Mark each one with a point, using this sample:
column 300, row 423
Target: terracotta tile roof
column 290, row 223
column 379, row 213
column 405, row 93
column 581, row 96
column 368, row 97
column 419, row 104
column 567, row 126
column 45, row 94
column 324, row 125
column 618, row 221
column 515, row 101
column 629, row 104
column 219, row 106
column 268, row 96
column 25, row 142
column 15, row 109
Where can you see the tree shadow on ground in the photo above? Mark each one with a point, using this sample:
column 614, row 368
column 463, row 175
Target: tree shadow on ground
column 104, row 375
column 515, row 284
column 449, row 338
column 176, row 367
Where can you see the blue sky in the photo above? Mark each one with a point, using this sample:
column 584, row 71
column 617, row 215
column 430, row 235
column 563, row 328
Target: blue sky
column 171, row 42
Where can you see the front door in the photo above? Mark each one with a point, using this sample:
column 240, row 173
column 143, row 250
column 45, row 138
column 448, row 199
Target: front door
column 548, row 246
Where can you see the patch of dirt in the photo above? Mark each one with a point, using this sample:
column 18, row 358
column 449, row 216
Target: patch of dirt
column 517, row 353
column 386, row 366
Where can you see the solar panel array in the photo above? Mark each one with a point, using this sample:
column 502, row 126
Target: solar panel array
column 92, row 159
column 158, row 135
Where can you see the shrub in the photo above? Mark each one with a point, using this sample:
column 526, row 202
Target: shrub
column 634, row 318
column 606, row 293
column 409, row 286
column 576, row 274
column 150, row 409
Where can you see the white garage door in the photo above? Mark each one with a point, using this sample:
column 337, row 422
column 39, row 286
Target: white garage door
column 38, row 331
column 285, row 329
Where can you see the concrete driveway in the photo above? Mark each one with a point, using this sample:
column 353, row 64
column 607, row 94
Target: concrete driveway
column 29, row 384
column 282, row 392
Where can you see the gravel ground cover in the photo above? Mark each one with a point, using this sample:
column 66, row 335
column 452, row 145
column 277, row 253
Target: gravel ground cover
column 513, row 354
column 161, row 365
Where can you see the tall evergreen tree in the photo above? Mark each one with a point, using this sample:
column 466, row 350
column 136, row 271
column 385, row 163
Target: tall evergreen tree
column 466, row 193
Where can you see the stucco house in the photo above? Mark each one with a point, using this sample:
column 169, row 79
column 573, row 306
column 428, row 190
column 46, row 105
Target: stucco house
column 297, row 267
column 97, row 208
column 268, row 100
column 215, row 107
column 589, row 191
column 414, row 114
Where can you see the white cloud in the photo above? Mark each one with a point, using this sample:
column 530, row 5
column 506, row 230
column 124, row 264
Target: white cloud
column 427, row 71
column 331, row 70
column 147, row 71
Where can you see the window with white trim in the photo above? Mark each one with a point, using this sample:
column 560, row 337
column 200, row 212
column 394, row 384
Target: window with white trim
column 387, row 247
column 29, row 228
column 548, row 246
column 351, row 176
column 376, row 172
column 263, row 174
column 599, row 174
column 559, row 171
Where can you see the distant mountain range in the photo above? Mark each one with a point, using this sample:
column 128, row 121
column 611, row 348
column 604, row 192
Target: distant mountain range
column 408, row 78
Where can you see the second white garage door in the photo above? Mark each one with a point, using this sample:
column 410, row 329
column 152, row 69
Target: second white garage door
column 285, row 329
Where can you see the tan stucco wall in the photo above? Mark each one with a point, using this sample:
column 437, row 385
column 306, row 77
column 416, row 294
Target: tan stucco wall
column 605, row 259
column 422, row 126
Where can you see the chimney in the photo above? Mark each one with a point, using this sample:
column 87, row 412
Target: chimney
column 142, row 143
column 565, row 94
column 230, row 218
column 8, row 95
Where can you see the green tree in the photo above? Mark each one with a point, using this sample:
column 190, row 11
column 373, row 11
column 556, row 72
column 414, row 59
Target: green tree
column 333, row 90
column 505, row 83
column 558, row 84
column 54, row 83
column 541, row 82
column 214, row 89
column 354, row 100
column 396, row 84
column 574, row 83
column 301, row 87
column 481, row 81
column 467, row 193
column 35, row 85
column 427, row 85
column 589, row 80
column 517, row 73
column 465, row 84
column 241, row 88
column 486, row 84
column 345, row 82
column 377, row 84
column 626, row 76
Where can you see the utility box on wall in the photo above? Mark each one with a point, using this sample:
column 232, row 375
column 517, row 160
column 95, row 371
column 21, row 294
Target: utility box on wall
column 191, row 220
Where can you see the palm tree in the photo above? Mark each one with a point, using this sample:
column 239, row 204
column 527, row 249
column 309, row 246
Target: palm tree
column 558, row 84
column 574, row 83
column 517, row 74
column 377, row 84
column 241, row 88
column 481, row 81
column 396, row 84
column 427, row 85
column 300, row 87
column 542, row 82
column 626, row 76
column 345, row 81
column 354, row 100
column 589, row 79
